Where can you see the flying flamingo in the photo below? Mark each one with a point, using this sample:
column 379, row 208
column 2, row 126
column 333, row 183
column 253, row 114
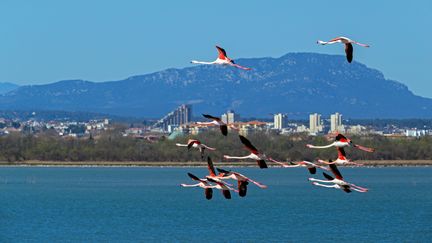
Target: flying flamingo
column 194, row 143
column 338, row 182
column 242, row 181
column 345, row 188
column 341, row 160
column 309, row 165
column 255, row 154
column 203, row 184
column 342, row 141
column 222, row 186
column 348, row 45
column 222, row 60
column 216, row 121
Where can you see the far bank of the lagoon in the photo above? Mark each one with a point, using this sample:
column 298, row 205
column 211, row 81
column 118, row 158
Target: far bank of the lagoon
column 378, row 163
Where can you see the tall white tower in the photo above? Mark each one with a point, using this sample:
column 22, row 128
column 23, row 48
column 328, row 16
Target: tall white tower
column 315, row 125
column 280, row 121
column 335, row 122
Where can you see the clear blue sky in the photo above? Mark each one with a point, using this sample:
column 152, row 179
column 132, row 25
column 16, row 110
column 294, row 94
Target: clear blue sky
column 100, row 40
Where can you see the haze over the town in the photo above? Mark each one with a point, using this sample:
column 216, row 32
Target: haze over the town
column 47, row 41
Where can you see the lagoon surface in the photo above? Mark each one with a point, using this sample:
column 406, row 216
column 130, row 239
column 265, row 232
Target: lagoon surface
column 130, row 204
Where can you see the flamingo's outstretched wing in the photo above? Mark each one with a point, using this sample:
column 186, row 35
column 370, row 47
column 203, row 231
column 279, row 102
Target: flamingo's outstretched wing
column 224, row 129
column 210, row 167
column 370, row 150
column 208, row 193
column 349, row 52
column 335, row 171
column 346, row 189
column 241, row 67
column 248, row 145
column 209, row 148
column 250, row 180
column 257, row 183
column 262, row 164
column 360, row 44
column 327, row 176
column 195, row 178
column 312, row 169
column 359, row 187
column 211, row 117
column 222, row 53
column 242, row 188
column 341, row 153
column 226, row 193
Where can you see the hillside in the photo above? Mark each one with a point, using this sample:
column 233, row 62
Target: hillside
column 7, row 87
column 296, row 83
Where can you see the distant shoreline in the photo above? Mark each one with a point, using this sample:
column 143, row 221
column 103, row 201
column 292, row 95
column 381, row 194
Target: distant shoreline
column 370, row 163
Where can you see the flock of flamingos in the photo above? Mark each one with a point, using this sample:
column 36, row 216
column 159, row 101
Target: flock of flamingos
column 217, row 180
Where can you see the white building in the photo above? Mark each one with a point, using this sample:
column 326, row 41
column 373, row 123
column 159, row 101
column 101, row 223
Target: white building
column 315, row 124
column 357, row 129
column 230, row 117
column 280, row 121
column 336, row 123
column 415, row 133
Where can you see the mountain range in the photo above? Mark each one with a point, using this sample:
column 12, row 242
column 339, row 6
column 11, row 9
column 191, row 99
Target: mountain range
column 6, row 87
column 297, row 84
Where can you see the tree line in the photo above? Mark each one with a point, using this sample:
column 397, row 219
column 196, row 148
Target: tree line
column 112, row 146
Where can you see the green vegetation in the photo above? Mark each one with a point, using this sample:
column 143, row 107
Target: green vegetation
column 112, row 146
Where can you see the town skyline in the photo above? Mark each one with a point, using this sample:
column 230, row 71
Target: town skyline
column 181, row 122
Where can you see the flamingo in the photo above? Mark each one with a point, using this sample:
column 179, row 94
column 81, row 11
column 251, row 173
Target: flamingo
column 222, row 59
column 242, row 181
column 208, row 191
column 222, row 186
column 341, row 160
column 348, row 45
column 338, row 182
column 216, row 121
column 345, row 188
column 342, row 141
column 309, row 165
column 255, row 154
column 194, row 143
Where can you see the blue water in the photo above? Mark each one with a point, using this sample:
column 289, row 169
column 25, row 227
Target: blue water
column 147, row 204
